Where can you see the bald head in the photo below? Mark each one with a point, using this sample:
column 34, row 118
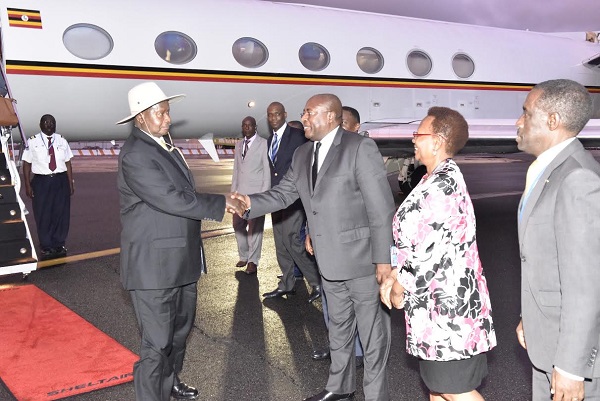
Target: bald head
column 248, row 127
column 276, row 115
column 322, row 114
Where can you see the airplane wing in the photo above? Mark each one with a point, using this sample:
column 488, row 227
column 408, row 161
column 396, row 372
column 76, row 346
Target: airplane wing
column 394, row 136
column 209, row 145
column 593, row 62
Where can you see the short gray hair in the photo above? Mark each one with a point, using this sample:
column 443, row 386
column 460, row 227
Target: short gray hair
column 569, row 99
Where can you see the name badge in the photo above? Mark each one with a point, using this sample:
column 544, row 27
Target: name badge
column 394, row 256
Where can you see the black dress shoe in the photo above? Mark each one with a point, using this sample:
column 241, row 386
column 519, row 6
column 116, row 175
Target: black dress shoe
column 320, row 354
column 328, row 396
column 278, row 293
column 315, row 294
column 182, row 391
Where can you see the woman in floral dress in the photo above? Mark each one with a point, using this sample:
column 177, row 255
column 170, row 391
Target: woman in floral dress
column 438, row 277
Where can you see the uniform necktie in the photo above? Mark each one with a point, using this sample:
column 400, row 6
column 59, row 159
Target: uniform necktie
column 315, row 166
column 274, row 147
column 245, row 151
column 52, row 164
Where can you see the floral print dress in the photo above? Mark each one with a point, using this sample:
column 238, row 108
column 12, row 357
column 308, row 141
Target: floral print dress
column 447, row 303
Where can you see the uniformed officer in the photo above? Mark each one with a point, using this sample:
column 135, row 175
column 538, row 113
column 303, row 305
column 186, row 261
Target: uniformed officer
column 48, row 156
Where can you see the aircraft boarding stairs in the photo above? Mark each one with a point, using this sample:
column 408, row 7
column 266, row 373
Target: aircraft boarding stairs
column 17, row 253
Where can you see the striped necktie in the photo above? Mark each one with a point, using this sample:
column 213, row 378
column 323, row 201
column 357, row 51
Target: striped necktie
column 274, row 147
column 245, row 151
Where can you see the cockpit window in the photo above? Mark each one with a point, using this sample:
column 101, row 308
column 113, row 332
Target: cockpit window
column 369, row 60
column 463, row 65
column 313, row 56
column 249, row 52
column 87, row 41
column 175, row 47
column 419, row 63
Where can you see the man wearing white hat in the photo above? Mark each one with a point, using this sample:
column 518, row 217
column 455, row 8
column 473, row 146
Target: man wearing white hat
column 161, row 249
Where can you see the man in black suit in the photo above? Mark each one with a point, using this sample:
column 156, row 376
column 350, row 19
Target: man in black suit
column 161, row 249
column 288, row 222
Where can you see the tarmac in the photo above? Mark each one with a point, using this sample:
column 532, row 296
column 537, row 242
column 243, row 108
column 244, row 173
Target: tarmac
column 245, row 348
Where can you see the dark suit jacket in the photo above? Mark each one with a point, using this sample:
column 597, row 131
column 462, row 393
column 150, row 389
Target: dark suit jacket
column 292, row 138
column 559, row 238
column 350, row 210
column 160, row 214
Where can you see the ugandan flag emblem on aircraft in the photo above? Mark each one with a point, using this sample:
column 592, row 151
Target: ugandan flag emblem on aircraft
column 18, row 17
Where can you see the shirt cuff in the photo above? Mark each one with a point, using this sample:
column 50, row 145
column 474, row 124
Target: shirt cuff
column 568, row 375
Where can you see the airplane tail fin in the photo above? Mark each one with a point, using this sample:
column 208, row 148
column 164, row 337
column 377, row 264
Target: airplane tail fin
column 209, row 145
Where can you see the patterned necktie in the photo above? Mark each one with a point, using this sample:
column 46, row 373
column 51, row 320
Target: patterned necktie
column 315, row 166
column 274, row 148
column 245, row 151
column 52, row 164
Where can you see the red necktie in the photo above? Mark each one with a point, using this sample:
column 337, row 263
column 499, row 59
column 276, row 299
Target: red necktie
column 52, row 164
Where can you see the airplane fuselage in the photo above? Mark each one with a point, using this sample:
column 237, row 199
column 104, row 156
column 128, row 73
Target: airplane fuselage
column 87, row 96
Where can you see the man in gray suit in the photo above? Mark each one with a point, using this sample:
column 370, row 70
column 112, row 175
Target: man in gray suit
column 161, row 248
column 559, row 238
column 341, row 180
column 251, row 174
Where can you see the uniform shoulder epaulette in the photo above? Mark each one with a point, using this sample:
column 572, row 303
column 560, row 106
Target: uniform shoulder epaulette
column 32, row 136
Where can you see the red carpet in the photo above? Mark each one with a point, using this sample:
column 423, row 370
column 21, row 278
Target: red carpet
column 48, row 352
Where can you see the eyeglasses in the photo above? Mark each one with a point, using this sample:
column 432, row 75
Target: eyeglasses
column 417, row 135
column 312, row 113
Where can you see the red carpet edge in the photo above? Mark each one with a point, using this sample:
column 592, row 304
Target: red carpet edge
column 48, row 352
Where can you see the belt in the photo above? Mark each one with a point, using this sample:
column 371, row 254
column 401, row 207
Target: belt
column 55, row 174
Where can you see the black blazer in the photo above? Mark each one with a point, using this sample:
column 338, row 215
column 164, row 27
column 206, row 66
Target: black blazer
column 160, row 214
column 291, row 140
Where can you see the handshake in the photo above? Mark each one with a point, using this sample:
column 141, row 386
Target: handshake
column 236, row 203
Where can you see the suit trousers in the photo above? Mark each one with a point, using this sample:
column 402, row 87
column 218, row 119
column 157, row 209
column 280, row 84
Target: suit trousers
column 541, row 386
column 165, row 318
column 51, row 208
column 355, row 305
column 290, row 248
column 357, row 345
column 249, row 236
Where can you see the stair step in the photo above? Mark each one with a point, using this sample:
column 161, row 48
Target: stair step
column 7, row 194
column 9, row 212
column 5, row 177
column 11, row 252
column 13, row 230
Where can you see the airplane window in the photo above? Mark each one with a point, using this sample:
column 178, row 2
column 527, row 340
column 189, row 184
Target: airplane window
column 313, row 56
column 175, row 47
column 87, row 41
column 250, row 52
column 463, row 65
column 419, row 63
column 369, row 60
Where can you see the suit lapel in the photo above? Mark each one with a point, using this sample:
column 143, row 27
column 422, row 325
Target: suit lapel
column 179, row 165
column 283, row 143
column 537, row 190
column 331, row 155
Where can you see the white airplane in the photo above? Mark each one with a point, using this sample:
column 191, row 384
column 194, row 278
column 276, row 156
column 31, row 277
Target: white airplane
column 77, row 60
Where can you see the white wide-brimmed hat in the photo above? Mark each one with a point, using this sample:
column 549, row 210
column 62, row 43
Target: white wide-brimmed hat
column 144, row 96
